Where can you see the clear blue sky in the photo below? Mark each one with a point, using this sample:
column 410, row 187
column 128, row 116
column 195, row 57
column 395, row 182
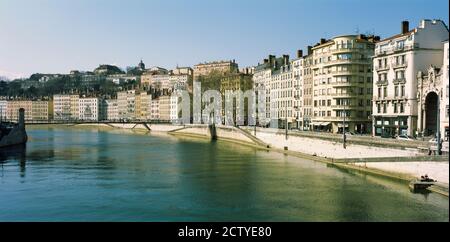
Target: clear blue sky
column 56, row 36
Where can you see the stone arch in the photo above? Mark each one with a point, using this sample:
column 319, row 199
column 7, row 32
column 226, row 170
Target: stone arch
column 431, row 111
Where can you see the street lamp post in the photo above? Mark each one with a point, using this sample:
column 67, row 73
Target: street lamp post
column 286, row 122
column 343, row 129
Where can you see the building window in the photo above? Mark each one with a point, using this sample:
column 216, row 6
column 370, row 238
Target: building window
column 403, row 91
column 379, row 92
column 402, row 109
column 384, row 108
column 385, row 92
column 396, row 91
column 400, row 74
column 395, row 107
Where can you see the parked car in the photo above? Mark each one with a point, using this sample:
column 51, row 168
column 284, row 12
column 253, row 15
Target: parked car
column 404, row 137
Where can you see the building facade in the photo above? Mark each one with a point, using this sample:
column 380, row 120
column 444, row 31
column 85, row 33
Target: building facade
column 34, row 110
column 164, row 108
column 433, row 99
column 112, row 110
column 222, row 67
column 154, row 109
column 89, row 109
column 396, row 62
column 342, row 84
column 65, row 106
column 126, row 103
column 3, row 106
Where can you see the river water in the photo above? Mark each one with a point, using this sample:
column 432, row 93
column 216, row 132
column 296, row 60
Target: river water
column 98, row 174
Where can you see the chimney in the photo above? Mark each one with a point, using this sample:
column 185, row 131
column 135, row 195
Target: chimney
column 285, row 59
column 309, row 49
column 405, row 27
column 299, row 53
column 272, row 60
column 322, row 41
column 266, row 61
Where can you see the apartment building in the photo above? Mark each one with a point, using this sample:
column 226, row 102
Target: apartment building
column 274, row 77
column 342, row 83
column 126, row 103
column 223, row 67
column 112, row 109
column 307, row 107
column 65, row 106
column 89, row 109
column 142, row 105
column 397, row 60
column 155, row 77
column 164, row 108
column 236, row 82
column 302, row 79
column 34, row 110
column 154, row 109
column 3, row 106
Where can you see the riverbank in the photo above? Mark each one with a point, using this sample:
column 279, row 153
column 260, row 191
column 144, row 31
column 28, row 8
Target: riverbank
column 402, row 163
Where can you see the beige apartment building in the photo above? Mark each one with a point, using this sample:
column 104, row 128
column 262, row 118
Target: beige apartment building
column 34, row 110
column 133, row 105
column 143, row 102
column 154, row 109
column 164, row 108
column 223, row 67
column 167, row 81
column 126, row 104
column 66, row 106
column 342, row 84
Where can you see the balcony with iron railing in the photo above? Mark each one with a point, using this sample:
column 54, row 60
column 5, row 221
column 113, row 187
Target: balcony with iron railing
column 399, row 64
column 342, row 84
column 382, row 67
column 343, row 72
column 349, row 106
column 346, row 49
column 390, row 50
column 338, row 95
column 381, row 82
column 399, row 81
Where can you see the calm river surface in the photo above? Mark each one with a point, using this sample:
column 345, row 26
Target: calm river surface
column 92, row 174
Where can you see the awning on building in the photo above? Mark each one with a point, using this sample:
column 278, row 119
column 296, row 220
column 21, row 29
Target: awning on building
column 325, row 123
column 340, row 125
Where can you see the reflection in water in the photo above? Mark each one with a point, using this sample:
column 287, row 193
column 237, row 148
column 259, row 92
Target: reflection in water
column 89, row 174
column 14, row 153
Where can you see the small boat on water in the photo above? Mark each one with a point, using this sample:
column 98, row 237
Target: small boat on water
column 421, row 184
column 12, row 133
